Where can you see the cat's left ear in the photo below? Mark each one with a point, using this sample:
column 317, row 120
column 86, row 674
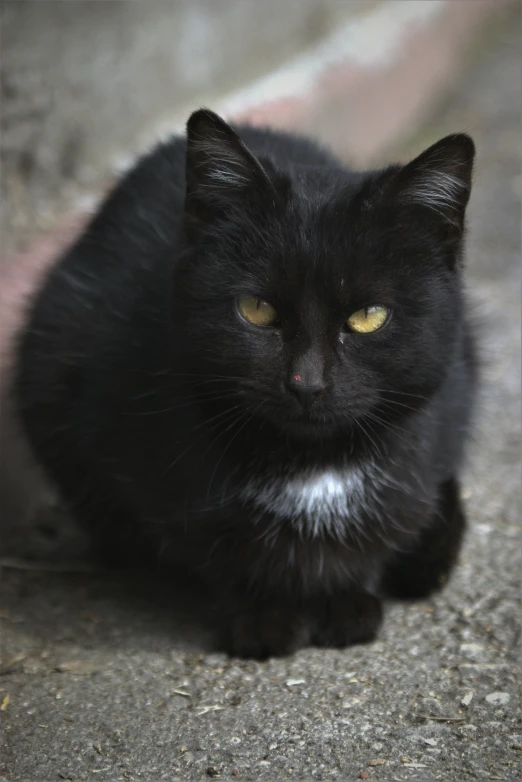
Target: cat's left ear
column 220, row 170
column 439, row 180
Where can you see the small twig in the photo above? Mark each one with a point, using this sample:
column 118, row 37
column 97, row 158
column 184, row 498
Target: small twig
column 206, row 709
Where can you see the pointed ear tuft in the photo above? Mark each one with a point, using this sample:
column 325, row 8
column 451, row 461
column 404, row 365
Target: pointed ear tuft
column 440, row 179
column 218, row 165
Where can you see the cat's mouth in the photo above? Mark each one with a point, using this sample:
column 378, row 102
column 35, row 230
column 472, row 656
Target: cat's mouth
column 305, row 426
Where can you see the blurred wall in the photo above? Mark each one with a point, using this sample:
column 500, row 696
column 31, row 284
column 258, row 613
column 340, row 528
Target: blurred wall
column 82, row 80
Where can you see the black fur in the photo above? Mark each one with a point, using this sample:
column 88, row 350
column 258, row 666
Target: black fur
column 152, row 404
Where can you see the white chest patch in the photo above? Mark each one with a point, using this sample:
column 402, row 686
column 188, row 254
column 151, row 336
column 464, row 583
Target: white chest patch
column 315, row 502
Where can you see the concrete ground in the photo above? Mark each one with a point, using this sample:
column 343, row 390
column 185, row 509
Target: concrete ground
column 111, row 679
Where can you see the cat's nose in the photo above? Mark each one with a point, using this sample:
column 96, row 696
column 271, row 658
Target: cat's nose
column 306, row 389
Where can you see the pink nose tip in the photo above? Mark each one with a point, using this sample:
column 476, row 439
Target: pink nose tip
column 297, row 378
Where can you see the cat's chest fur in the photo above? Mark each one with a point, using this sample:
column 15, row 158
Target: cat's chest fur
column 316, row 501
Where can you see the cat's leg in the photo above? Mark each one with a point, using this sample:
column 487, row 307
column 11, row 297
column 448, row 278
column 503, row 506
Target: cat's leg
column 119, row 541
column 267, row 628
column 274, row 628
column 426, row 567
column 116, row 536
column 344, row 619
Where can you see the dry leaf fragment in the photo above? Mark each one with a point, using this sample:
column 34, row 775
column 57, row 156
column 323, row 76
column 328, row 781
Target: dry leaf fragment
column 443, row 719
column 79, row 667
column 466, row 700
column 206, row 709
column 5, row 703
column 12, row 664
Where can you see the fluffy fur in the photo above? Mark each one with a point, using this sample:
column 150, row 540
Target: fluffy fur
column 177, row 430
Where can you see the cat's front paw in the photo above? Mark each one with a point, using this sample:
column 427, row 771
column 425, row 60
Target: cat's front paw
column 266, row 631
column 347, row 619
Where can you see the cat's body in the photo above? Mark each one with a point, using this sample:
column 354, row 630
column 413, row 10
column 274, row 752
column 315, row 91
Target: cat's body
column 302, row 470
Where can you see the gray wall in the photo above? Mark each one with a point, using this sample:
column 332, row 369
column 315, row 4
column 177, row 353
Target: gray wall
column 83, row 79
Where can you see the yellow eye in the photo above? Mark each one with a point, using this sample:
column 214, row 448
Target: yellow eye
column 256, row 311
column 368, row 319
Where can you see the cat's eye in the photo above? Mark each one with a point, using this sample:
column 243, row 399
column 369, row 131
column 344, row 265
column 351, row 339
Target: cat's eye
column 368, row 319
column 256, row 311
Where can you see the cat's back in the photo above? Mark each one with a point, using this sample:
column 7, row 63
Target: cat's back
column 100, row 300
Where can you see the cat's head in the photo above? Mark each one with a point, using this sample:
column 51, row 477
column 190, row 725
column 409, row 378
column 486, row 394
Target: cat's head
column 327, row 297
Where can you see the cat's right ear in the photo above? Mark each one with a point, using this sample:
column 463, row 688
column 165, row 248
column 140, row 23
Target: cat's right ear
column 439, row 181
column 220, row 170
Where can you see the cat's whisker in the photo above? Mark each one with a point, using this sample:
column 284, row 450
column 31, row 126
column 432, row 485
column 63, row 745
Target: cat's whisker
column 400, row 393
column 226, row 414
column 378, row 450
column 175, row 381
column 398, row 431
column 392, row 404
column 189, row 402
column 230, row 443
column 427, row 415
column 193, row 375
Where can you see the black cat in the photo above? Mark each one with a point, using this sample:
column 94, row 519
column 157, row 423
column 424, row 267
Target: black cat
column 256, row 363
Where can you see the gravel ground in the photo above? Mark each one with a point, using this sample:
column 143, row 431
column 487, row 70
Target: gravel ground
column 106, row 680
